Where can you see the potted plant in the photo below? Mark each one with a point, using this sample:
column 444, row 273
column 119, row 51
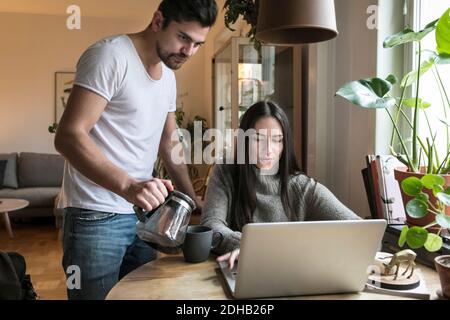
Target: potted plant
column 442, row 264
column 421, row 205
column 422, row 156
column 425, row 179
column 248, row 9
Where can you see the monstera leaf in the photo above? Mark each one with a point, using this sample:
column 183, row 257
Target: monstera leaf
column 408, row 35
column 368, row 93
column 443, row 34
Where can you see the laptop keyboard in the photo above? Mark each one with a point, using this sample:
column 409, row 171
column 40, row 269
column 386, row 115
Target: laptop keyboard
column 224, row 267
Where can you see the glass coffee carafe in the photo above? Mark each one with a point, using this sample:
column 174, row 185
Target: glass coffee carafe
column 164, row 228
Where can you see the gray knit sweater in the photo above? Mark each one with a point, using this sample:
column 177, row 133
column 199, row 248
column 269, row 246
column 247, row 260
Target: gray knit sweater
column 311, row 201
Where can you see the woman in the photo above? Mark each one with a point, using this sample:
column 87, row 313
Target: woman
column 267, row 187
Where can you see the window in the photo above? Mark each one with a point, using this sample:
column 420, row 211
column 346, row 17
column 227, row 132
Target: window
column 429, row 90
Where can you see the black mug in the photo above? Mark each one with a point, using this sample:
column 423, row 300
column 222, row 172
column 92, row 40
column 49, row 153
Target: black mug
column 198, row 243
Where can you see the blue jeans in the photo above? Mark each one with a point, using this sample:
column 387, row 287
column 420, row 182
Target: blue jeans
column 103, row 247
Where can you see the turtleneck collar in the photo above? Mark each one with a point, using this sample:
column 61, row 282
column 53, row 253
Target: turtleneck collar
column 266, row 181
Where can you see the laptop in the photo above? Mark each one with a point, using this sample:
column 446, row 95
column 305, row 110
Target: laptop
column 304, row 258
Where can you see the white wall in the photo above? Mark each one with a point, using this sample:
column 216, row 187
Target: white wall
column 190, row 86
column 129, row 9
column 33, row 48
column 35, row 45
column 194, row 79
column 340, row 133
column 390, row 22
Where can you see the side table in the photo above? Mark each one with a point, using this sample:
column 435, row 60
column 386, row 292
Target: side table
column 8, row 205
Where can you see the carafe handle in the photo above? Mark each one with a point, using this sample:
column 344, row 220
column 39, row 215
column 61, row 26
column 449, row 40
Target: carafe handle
column 142, row 214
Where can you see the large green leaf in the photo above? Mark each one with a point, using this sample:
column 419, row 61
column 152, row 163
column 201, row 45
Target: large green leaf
column 416, row 208
column 416, row 237
column 368, row 93
column 443, row 33
column 430, row 180
column 408, row 35
column 443, row 220
column 411, row 102
column 445, row 198
column 392, row 79
column 402, row 238
column 412, row 186
column 411, row 77
column 433, row 243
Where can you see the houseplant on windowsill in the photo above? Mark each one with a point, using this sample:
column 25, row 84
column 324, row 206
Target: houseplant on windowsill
column 422, row 157
column 421, row 205
column 425, row 179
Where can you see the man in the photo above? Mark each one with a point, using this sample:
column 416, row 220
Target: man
column 119, row 115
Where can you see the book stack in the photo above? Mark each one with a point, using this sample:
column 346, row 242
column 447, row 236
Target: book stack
column 383, row 191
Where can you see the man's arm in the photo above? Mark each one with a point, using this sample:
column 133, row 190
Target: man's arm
column 72, row 140
column 178, row 172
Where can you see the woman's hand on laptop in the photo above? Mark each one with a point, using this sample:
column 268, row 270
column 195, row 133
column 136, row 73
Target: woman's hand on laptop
column 231, row 257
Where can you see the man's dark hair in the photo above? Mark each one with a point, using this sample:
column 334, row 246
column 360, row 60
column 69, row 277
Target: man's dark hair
column 202, row 11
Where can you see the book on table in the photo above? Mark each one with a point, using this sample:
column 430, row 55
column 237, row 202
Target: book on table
column 383, row 191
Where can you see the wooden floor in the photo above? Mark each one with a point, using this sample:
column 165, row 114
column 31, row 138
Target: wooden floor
column 39, row 244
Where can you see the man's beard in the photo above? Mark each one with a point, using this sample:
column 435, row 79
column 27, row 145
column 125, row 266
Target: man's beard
column 170, row 59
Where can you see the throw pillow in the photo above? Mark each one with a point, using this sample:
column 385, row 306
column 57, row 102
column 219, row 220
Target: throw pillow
column 2, row 171
column 10, row 179
column 40, row 170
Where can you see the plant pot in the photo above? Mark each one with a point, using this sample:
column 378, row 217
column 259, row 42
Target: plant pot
column 401, row 174
column 442, row 264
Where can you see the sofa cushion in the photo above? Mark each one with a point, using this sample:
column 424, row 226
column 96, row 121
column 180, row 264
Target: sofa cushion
column 40, row 170
column 38, row 197
column 10, row 180
column 2, row 171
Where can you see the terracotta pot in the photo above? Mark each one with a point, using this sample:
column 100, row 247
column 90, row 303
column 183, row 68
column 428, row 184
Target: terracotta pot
column 401, row 174
column 442, row 264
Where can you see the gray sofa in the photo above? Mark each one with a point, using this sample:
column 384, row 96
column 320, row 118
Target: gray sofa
column 35, row 177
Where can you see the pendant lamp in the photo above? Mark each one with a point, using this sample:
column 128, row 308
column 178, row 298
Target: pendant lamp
column 288, row 22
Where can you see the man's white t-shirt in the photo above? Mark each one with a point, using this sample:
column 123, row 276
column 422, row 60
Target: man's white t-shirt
column 129, row 130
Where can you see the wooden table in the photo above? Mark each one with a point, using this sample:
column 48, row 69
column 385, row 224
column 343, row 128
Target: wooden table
column 8, row 205
column 171, row 278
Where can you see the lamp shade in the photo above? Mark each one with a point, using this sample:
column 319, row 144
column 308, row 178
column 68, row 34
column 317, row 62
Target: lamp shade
column 296, row 21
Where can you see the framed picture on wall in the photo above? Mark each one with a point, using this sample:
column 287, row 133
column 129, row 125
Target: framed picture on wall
column 63, row 87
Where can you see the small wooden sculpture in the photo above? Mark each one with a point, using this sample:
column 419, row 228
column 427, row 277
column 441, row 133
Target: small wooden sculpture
column 406, row 256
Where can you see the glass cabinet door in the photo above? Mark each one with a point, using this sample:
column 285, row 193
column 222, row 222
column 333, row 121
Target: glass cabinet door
column 243, row 76
column 222, row 112
column 268, row 75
